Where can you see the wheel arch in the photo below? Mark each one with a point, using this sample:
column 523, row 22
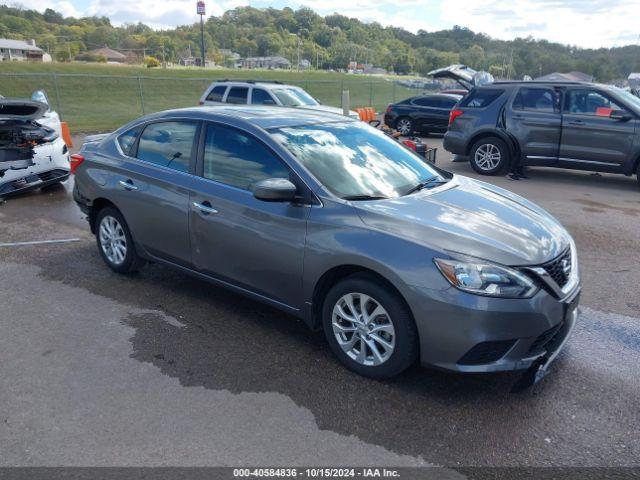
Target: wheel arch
column 334, row 275
column 504, row 136
column 96, row 206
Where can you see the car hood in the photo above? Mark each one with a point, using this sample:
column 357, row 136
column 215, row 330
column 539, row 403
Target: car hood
column 469, row 218
column 329, row 109
column 21, row 109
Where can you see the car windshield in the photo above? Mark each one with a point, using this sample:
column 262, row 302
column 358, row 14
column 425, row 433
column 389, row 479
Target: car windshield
column 294, row 97
column 355, row 161
column 628, row 97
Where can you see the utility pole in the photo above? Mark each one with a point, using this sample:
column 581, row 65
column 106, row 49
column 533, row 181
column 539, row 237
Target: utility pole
column 201, row 11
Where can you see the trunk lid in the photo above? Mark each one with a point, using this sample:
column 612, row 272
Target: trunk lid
column 465, row 76
column 24, row 110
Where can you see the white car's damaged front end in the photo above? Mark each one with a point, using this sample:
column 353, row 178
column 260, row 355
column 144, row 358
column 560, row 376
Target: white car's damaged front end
column 32, row 152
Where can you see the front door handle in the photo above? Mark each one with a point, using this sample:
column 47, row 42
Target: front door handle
column 128, row 185
column 204, row 208
column 576, row 122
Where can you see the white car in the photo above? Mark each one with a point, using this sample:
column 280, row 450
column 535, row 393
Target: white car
column 33, row 153
column 243, row 92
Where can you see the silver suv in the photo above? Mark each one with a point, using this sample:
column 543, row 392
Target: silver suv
column 332, row 221
column 264, row 92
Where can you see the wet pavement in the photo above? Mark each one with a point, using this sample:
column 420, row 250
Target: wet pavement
column 158, row 368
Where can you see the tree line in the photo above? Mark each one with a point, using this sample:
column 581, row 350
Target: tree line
column 328, row 42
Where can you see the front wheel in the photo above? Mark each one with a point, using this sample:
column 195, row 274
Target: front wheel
column 369, row 327
column 489, row 156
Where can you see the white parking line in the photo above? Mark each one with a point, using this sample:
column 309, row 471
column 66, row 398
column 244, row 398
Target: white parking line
column 39, row 242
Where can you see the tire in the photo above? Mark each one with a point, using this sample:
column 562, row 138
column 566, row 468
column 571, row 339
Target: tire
column 119, row 254
column 404, row 125
column 392, row 332
column 490, row 156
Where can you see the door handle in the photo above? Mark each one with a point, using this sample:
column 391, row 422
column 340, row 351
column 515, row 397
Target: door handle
column 576, row 122
column 128, row 185
column 204, row 208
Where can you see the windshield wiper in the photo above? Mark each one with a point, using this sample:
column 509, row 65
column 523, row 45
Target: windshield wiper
column 364, row 197
column 432, row 182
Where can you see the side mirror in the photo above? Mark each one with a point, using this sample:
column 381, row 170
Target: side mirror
column 275, row 190
column 620, row 115
column 40, row 96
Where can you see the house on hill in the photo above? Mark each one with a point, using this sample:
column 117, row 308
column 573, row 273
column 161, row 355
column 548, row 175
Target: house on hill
column 104, row 52
column 266, row 62
column 19, row 50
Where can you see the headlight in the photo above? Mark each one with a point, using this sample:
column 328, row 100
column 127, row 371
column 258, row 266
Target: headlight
column 486, row 279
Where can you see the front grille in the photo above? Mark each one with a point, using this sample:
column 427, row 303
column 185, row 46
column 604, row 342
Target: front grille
column 486, row 352
column 559, row 268
column 545, row 339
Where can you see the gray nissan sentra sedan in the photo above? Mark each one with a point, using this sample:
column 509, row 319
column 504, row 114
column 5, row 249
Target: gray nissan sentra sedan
column 330, row 220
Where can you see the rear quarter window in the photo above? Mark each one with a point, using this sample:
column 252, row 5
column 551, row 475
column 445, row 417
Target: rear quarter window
column 481, row 98
column 216, row 93
column 127, row 139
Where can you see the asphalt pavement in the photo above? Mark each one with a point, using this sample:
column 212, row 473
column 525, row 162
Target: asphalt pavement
column 158, row 368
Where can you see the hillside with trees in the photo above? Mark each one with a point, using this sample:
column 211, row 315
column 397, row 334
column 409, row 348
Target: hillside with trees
column 329, row 42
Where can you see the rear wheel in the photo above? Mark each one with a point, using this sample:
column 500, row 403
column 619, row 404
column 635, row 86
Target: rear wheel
column 115, row 242
column 490, row 156
column 369, row 327
column 404, row 125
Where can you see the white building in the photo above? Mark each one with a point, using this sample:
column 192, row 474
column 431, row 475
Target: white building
column 19, row 50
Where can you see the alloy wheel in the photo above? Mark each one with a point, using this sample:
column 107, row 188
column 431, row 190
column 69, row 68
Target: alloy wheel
column 487, row 157
column 363, row 329
column 113, row 240
column 404, row 126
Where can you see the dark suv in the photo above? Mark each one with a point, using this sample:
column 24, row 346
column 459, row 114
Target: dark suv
column 569, row 125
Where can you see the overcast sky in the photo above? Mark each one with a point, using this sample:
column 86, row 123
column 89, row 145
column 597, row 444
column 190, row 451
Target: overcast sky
column 586, row 23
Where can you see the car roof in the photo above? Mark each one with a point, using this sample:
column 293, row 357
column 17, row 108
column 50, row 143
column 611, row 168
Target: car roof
column 268, row 84
column 516, row 83
column 263, row 116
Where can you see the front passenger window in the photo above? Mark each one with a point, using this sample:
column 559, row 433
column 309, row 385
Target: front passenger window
column 238, row 159
column 590, row 102
column 168, row 144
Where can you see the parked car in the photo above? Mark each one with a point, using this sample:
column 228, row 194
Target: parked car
column 32, row 151
column 424, row 114
column 264, row 92
column 579, row 126
column 330, row 220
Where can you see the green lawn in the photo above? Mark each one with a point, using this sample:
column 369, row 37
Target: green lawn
column 94, row 97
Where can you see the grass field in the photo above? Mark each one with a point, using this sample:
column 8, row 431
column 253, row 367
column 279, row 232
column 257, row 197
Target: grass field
column 94, row 97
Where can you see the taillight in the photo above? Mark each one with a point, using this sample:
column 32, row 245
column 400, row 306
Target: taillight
column 76, row 160
column 200, row 102
column 453, row 115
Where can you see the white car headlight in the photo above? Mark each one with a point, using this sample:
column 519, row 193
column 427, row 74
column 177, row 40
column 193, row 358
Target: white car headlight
column 486, row 279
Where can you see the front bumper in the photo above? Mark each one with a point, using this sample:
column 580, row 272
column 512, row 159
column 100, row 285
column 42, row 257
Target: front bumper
column 33, row 181
column 469, row 333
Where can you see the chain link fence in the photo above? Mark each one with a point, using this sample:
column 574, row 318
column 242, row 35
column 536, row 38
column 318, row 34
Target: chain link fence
column 98, row 103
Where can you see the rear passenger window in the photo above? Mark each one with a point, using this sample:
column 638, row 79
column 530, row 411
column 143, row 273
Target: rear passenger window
column 237, row 159
column 217, row 93
column 480, row 98
column 540, row 99
column 168, row 144
column 127, row 139
column 237, row 95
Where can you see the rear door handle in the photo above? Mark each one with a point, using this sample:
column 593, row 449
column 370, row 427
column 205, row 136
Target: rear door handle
column 128, row 185
column 204, row 208
column 576, row 122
